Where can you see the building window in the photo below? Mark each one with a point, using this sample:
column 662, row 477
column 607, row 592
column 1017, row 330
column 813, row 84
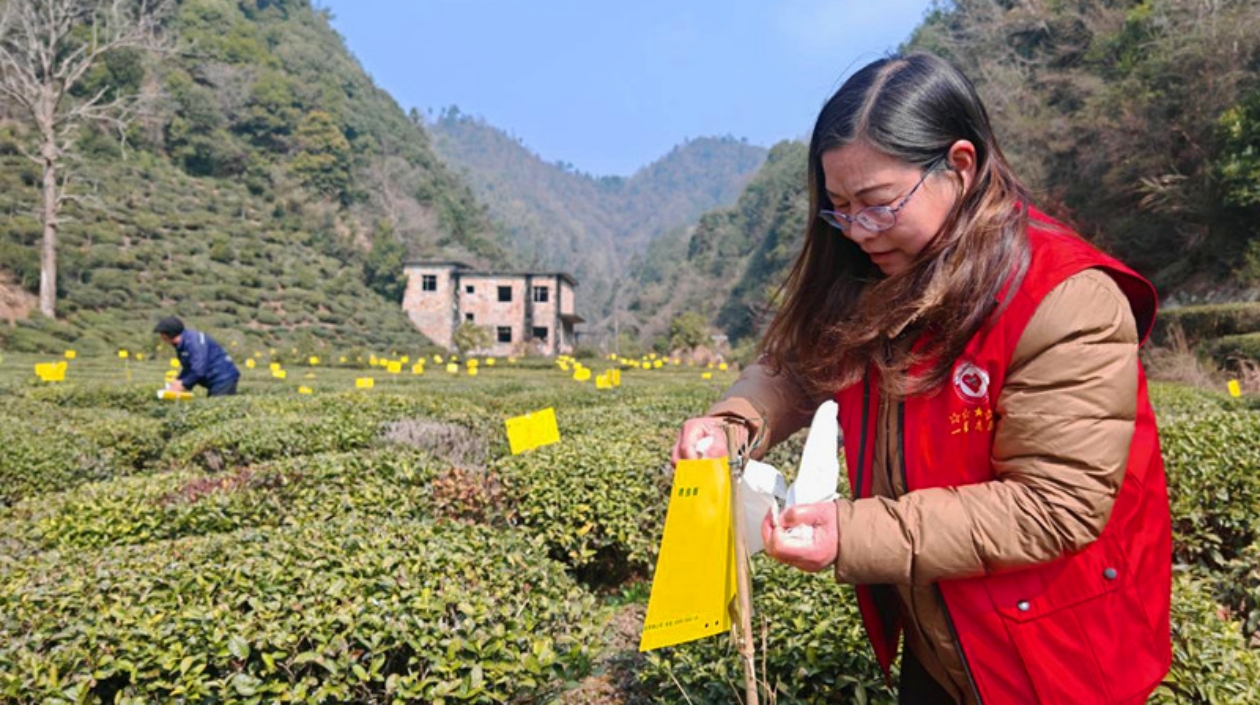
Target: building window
column 505, row 293
column 541, row 295
column 505, row 334
column 468, row 317
column 469, row 289
column 540, row 334
column 428, row 282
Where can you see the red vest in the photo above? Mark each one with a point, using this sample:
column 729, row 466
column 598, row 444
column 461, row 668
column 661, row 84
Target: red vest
column 1091, row 627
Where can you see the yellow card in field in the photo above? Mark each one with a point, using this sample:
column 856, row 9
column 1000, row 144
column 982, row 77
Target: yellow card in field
column 533, row 430
column 1235, row 389
column 694, row 581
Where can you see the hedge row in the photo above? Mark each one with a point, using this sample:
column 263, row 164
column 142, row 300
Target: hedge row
column 1228, row 350
column 1204, row 323
column 358, row 609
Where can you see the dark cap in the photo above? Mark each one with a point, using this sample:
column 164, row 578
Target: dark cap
column 169, row 326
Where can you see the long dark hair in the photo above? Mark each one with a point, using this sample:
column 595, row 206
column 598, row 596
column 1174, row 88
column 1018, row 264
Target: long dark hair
column 839, row 313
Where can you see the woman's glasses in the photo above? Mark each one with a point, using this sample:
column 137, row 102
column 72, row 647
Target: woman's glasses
column 873, row 218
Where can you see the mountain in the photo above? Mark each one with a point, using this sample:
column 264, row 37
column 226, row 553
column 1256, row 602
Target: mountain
column 271, row 191
column 553, row 217
column 729, row 264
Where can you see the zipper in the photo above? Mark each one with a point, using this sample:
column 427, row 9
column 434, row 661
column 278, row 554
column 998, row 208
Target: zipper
column 936, row 588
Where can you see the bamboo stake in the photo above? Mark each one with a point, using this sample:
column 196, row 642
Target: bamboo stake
column 743, row 632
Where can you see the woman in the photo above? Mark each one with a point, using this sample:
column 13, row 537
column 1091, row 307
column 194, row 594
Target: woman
column 1010, row 512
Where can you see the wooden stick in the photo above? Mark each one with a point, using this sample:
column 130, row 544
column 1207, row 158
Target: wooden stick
column 743, row 633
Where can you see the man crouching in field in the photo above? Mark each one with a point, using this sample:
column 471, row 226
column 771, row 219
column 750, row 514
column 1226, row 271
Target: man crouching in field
column 203, row 361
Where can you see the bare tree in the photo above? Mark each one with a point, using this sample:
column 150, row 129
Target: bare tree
column 47, row 47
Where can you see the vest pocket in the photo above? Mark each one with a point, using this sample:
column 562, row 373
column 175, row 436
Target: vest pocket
column 1079, row 627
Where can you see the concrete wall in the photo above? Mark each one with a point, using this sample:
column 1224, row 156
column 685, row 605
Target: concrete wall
column 433, row 312
column 490, row 313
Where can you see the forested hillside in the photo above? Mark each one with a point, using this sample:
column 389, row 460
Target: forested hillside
column 554, row 217
column 1139, row 123
column 269, row 187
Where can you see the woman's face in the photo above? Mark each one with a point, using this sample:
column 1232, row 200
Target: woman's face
column 858, row 176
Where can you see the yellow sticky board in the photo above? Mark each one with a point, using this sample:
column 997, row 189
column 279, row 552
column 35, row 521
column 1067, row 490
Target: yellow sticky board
column 51, row 371
column 452, row 367
column 658, row 364
column 122, row 354
column 250, row 363
column 722, row 367
column 616, row 378
column 140, row 356
column 707, row 375
column 172, row 395
column 601, row 382
column 70, row 354
column 304, row 390
column 280, row 374
column 313, row 361
column 275, row 366
column 1235, row 389
column 694, row 581
column 533, row 430
column 437, row 359
column 490, row 361
column 417, row 369
column 365, row 382
column 394, row 367
column 342, row 359
column 472, row 371
column 582, row 374
column 404, row 359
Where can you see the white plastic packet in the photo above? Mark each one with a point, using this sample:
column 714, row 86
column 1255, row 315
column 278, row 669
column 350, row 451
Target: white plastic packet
column 761, row 488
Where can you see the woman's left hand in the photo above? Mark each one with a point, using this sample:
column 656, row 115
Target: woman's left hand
column 805, row 536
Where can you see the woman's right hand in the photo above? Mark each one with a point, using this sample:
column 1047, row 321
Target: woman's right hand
column 705, row 437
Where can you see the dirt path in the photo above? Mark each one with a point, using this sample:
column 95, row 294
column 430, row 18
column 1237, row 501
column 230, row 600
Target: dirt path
column 612, row 679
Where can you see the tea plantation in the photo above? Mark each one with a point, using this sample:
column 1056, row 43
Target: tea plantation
column 383, row 545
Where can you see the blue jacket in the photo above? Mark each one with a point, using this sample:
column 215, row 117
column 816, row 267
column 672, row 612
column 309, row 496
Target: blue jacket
column 203, row 361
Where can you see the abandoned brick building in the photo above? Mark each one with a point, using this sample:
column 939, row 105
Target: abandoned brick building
column 524, row 312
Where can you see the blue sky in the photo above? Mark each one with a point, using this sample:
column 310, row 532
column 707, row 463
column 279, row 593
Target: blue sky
column 611, row 86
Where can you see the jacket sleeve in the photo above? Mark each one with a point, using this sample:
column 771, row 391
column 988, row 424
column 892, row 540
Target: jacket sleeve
column 1066, row 420
column 772, row 406
column 196, row 368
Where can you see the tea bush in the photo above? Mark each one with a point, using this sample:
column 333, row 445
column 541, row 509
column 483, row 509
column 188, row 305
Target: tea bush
column 357, row 609
column 597, row 498
column 392, row 482
column 1211, row 662
column 815, row 650
column 1212, row 460
column 241, row 442
column 48, row 449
